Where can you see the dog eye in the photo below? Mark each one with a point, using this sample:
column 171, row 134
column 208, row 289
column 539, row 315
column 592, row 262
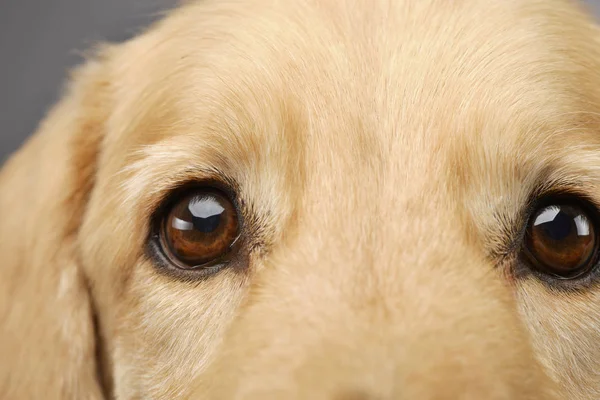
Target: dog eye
column 199, row 228
column 561, row 241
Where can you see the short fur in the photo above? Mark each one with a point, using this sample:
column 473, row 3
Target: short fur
column 383, row 153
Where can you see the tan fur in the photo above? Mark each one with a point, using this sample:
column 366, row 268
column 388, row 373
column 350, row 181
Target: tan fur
column 382, row 149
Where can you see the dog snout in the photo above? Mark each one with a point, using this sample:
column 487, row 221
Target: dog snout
column 347, row 332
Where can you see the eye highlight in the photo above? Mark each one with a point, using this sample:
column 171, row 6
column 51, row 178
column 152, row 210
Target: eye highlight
column 198, row 229
column 561, row 240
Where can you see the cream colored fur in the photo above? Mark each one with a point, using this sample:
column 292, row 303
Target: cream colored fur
column 382, row 149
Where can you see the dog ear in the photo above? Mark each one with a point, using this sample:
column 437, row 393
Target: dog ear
column 47, row 330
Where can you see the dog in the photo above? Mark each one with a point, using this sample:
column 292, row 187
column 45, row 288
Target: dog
column 314, row 199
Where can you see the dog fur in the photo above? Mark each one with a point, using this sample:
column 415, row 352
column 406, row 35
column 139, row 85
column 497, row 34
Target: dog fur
column 383, row 152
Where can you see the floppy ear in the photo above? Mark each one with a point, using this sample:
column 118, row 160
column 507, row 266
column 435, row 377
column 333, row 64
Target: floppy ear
column 47, row 332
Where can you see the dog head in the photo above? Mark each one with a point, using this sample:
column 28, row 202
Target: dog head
column 314, row 199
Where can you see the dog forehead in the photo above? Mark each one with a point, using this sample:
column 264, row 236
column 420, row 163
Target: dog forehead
column 386, row 92
column 396, row 63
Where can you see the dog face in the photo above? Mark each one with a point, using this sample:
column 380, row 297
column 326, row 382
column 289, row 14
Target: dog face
column 324, row 200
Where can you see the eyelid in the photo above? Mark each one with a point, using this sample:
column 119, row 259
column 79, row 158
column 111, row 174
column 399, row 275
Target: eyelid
column 552, row 184
column 549, row 183
column 544, row 191
column 214, row 178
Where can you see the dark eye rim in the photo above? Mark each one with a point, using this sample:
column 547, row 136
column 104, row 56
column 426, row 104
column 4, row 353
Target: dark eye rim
column 586, row 276
column 154, row 245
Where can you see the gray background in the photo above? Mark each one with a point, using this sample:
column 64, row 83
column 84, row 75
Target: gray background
column 41, row 39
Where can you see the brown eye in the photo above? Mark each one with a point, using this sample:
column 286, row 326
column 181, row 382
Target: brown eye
column 561, row 241
column 199, row 228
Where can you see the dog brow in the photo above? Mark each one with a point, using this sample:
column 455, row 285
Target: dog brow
column 145, row 180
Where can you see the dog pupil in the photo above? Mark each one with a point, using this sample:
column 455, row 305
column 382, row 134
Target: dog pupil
column 206, row 213
column 207, row 225
column 560, row 228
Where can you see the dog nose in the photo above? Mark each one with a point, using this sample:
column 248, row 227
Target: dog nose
column 353, row 395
